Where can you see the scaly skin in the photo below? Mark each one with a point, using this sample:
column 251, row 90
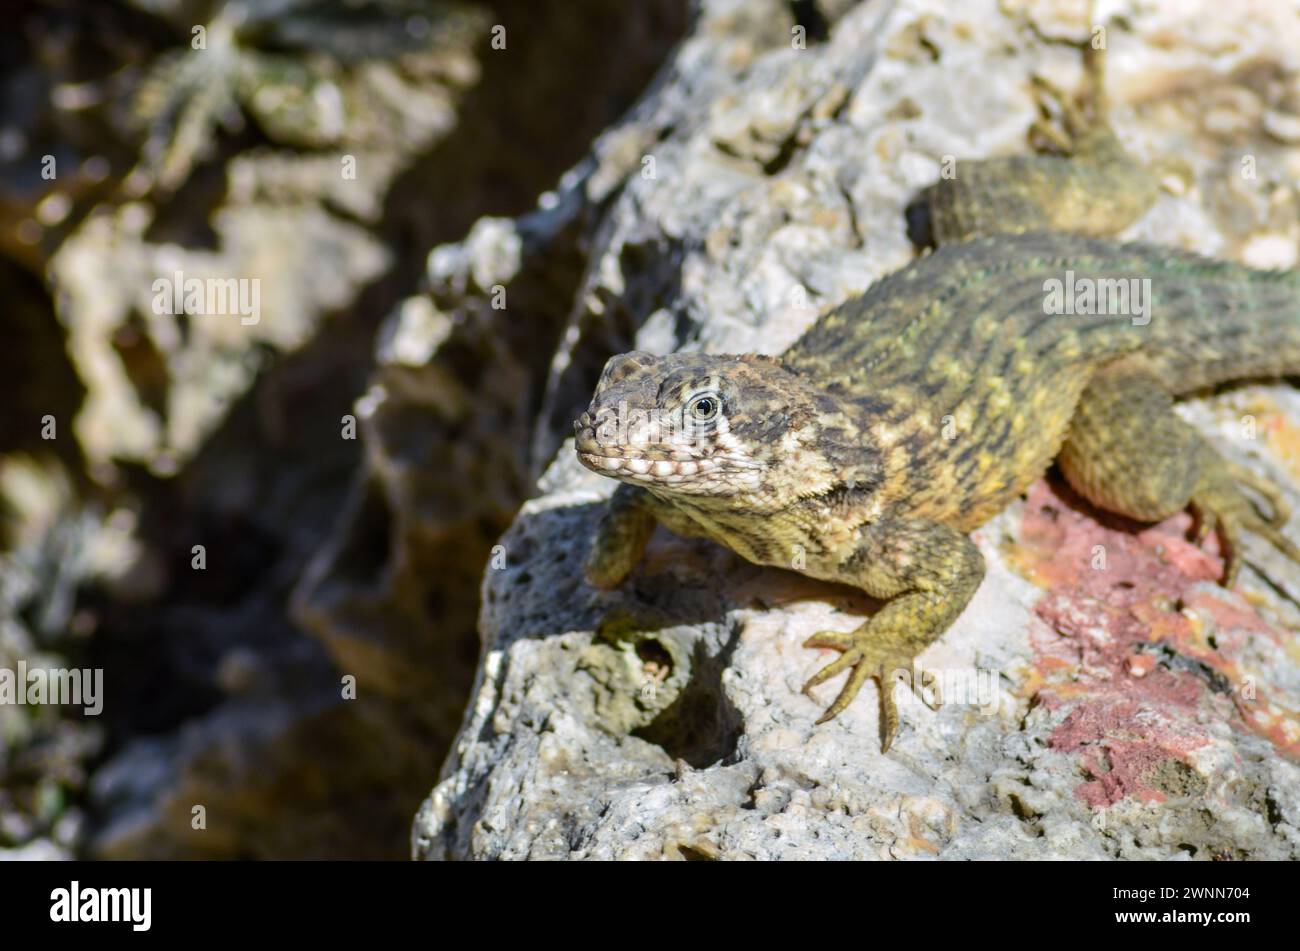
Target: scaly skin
column 907, row 417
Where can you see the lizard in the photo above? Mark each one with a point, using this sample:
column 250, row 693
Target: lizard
column 906, row 417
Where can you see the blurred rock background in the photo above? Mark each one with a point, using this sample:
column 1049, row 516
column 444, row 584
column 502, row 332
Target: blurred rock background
column 323, row 148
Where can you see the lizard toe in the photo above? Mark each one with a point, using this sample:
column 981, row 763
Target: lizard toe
column 1279, row 512
column 850, row 658
column 861, row 672
column 926, row 687
column 831, row 640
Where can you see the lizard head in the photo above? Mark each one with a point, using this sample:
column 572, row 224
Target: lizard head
column 738, row 429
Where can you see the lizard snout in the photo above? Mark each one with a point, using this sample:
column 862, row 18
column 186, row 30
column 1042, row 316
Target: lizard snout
column 584, row 434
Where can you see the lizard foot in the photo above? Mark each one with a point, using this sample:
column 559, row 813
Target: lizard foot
column 1062, row 134
column 1219, row 503
column 868, row 654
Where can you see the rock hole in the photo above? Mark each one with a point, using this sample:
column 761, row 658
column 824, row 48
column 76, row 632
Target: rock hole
column 655, row 659
column 700, row 725
column 920, row 224
column 808, row 16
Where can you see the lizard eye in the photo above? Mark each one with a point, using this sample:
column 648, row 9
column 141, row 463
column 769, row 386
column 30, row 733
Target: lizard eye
column 704, row 408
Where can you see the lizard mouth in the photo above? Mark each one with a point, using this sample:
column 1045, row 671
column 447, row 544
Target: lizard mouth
column 633, row 466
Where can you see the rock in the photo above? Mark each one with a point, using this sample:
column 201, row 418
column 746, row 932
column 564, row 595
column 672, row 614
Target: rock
column 446, row 419
column 1103, row 697
column 342, row 123
column 52, row 543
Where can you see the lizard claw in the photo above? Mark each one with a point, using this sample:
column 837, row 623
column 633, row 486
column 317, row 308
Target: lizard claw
column 831, row 640
column 1220, row 505
column 857, row 678
column 850, row 658
column 867, row 658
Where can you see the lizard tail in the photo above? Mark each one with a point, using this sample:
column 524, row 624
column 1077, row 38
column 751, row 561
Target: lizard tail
column 1225, row 323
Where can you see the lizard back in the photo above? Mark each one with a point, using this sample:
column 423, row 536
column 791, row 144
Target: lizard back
column 975, row 355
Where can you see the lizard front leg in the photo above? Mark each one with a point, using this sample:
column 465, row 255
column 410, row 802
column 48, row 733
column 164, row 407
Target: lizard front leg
column 930, row 572
column 624, row 530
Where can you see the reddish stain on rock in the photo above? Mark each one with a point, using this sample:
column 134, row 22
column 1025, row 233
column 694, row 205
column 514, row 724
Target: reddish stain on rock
column 1122, row 745
column 1137, row 646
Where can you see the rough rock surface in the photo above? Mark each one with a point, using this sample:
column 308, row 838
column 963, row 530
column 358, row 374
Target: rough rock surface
column 1103, row 697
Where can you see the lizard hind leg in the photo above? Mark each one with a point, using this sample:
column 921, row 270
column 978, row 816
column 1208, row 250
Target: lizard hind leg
column 1087, row 184
column 1128, row 452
